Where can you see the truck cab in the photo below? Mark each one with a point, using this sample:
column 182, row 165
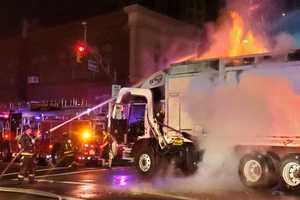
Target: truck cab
column 145, row 137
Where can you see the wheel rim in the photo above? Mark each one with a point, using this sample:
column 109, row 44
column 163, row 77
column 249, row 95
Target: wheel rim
column 145, row 162
column 252, row 171
column 288, row 174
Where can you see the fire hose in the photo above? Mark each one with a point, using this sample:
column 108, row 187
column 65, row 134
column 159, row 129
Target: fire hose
column 86, row 112
column 64, row 123
column 10, row 164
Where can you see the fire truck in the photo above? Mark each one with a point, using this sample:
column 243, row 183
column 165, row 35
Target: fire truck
column 9, row 125
column 83, row 132
column 148, row 140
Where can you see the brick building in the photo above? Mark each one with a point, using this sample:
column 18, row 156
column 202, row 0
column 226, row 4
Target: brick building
column 130, row 44
column 41, row 64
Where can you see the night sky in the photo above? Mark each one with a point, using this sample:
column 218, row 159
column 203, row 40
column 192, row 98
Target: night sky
column 53, row 12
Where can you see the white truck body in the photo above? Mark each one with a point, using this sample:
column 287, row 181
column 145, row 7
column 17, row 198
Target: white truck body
column 273, row 157
column 178, row 80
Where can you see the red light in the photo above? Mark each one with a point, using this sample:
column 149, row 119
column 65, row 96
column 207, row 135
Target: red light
column 50, row 146
column 6, row 136
column 81, row 48
column 79, row 158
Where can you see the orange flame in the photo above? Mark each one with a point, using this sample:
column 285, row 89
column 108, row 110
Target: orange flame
column 243, row 42
column 234, row 40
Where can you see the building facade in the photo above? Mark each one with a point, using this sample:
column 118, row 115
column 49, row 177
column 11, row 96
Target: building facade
column 127, row 45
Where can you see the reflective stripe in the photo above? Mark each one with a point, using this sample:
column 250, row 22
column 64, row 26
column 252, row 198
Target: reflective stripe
column 20, row 176
column 26, row 154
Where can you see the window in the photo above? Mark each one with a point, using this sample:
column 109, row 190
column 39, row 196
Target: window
column 137, row 113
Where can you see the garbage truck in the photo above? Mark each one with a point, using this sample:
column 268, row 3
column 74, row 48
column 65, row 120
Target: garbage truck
column 152, row 125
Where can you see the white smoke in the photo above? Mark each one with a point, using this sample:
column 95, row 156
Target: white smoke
column 284, row 42
column 264, row 103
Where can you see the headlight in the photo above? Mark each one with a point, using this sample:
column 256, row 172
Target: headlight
column 86, row 135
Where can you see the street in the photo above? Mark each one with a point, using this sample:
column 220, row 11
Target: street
column 116, row 183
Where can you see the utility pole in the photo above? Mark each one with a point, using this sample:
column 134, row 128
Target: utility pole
column 24, row 56
column 84, row 24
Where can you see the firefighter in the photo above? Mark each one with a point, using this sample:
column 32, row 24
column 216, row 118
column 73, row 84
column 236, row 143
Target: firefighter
column 106, row 149
column 26, row 144
column 67, row 152
column 67, row 145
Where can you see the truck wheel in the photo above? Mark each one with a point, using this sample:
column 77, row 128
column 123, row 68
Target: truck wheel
column 290, row 171
column 41, row 160
column 145, row 161
column 190, row 165
column 257, row 170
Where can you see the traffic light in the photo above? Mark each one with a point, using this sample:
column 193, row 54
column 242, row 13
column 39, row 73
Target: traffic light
column 81, row 52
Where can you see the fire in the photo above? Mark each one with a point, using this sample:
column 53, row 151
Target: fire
column 243, row 42
column 234, row 39
column 185, row 58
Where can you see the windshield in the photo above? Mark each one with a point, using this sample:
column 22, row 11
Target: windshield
column 137, row 113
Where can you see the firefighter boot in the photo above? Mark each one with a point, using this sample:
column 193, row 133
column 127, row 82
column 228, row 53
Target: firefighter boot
column 21, row 174
column 110, row 159
column 31, row 178
column 20, row 178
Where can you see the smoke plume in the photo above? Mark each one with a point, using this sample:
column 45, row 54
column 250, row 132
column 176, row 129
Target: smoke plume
column 260, row 103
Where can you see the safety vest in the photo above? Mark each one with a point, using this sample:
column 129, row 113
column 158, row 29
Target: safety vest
column 68, row 147
column 26, row 143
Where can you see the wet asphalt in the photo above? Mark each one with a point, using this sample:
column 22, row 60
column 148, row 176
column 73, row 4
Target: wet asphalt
column 113, row 184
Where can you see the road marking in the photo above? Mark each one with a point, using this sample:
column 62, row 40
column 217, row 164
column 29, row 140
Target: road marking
column 78, row 172
column 136, row 191
column 36, row 193
column 152, row 193
column 71, row 173
column 63, row 182
column 39, row 170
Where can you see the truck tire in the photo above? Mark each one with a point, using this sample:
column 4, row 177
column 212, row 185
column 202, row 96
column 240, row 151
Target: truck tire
column 145, row 161
column 257, row 170
column 41, row 160
column 290, row 171
column 190, row 164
